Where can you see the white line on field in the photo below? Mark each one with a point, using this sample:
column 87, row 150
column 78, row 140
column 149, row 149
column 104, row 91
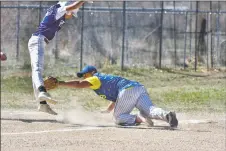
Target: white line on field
column 52, row 131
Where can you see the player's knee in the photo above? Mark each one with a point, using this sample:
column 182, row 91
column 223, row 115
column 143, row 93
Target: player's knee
column 118, row 120
column 121, row 120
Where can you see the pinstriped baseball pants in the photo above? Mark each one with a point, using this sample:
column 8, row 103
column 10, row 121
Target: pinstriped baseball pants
column 36, row 46
column 136, row 97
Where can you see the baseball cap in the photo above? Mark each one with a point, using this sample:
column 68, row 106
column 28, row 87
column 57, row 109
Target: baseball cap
column 85, row 70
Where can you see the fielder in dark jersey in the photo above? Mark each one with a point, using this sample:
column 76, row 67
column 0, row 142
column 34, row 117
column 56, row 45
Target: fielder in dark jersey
column 125, row 95
column 50, row 25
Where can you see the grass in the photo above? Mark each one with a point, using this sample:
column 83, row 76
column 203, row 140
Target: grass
column 197, row 95
column 168, row 88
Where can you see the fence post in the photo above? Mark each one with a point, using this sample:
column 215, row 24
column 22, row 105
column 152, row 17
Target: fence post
column 211, row 34
column 0, row 26
column 190, row 30
column 185, row 38
column 56, row 54
column 81, row 50
column 18, row 31
column 40, row 12
column 123, row 35
column 160, row 37
column 175, row 41
column 208, row 38
column 196, row 29
column 218, row 34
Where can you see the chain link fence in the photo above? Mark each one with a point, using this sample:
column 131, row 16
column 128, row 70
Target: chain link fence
column 125, row 33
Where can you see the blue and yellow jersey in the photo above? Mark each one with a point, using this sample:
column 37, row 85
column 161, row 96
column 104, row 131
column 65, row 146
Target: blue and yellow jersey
column 109, row 86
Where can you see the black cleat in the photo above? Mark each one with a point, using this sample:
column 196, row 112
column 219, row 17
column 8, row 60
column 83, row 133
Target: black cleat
column 172, row 119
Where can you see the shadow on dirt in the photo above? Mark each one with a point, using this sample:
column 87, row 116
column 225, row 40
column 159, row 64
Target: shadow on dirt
column 89, row 125
column 124, row 127
column 157, row 127
column 162, row 128
column 145, row 127
column 32, row 120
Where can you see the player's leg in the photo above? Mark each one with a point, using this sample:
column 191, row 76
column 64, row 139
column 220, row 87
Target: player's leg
column 36, row 49
column 42, row 105
column 124, row 105
column 147, row 119
column 149, row 111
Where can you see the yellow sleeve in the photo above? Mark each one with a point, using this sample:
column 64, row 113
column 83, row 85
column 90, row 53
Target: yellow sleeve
column 94, row 81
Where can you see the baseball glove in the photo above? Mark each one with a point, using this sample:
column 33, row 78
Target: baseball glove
column 51, row 83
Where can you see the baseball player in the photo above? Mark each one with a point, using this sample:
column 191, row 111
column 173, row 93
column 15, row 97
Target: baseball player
column 125, row 95
column 50, row 25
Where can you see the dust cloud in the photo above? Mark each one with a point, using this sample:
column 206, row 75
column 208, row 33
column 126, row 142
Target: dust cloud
column 79, row 116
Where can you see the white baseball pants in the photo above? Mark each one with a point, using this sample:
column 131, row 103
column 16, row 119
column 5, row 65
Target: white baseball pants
column 36, row 46
column 137, row 97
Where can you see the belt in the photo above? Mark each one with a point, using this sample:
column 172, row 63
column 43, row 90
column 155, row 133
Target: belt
column 45, row 39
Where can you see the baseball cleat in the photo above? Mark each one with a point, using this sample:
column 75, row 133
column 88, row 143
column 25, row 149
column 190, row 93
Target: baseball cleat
column 44, row 96
column 172, row 119
column 46, row 108
column 149, row 122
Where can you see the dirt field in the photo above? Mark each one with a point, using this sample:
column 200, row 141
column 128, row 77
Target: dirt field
column 72, row 131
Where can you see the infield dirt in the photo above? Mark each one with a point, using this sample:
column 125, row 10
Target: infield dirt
column 26, row 130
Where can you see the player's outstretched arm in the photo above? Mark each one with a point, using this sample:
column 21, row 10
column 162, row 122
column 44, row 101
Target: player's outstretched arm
column 75, row 5
column 75, row 84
